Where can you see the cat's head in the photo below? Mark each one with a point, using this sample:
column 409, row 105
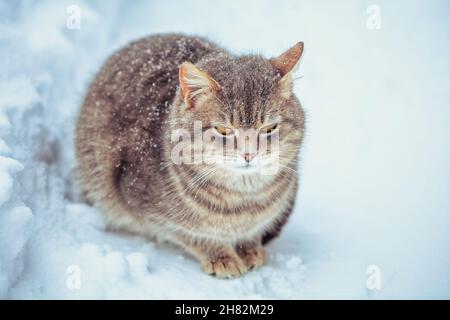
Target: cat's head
column 248, row 116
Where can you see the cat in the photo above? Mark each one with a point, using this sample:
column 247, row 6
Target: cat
column 222, row 213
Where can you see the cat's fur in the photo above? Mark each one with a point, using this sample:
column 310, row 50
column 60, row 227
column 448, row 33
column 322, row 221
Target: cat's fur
column 123, row 146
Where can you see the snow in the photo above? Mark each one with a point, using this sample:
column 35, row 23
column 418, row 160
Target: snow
column 375, row 174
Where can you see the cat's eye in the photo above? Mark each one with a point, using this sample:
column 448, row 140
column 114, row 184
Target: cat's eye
column 224, row 131
column 268, row 129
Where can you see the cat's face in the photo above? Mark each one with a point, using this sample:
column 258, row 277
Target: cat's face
column 250, row 121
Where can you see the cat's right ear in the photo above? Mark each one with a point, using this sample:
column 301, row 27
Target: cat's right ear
column 286, row 63
column 288, row 60
column 194, row 83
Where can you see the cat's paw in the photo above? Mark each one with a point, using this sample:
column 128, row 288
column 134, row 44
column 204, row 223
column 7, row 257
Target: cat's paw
column 253, row 255
column 224, row 266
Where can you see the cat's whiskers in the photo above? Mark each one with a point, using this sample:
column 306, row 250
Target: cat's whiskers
column 205, row 173
column 205, row 179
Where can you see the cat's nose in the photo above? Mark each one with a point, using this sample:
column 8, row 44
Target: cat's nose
column 249, row 156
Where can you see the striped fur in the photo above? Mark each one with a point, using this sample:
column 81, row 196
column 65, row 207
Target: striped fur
column 123, row 148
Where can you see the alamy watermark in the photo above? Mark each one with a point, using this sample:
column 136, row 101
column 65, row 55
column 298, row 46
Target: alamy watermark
column 240, row 149
column 73, row 21
column 373, row 21
column 373, row 281
column 73, row 280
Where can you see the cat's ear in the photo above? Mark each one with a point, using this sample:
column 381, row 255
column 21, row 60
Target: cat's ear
column 287, row 61
column 285, row 64
column 194, row 83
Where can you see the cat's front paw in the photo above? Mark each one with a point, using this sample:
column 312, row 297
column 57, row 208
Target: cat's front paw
column 252, row 255
column 224, row 266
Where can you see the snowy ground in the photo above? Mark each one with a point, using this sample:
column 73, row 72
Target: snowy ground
column 375, row 173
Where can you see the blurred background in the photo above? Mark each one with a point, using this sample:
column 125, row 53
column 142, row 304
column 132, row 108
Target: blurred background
column 372, row 219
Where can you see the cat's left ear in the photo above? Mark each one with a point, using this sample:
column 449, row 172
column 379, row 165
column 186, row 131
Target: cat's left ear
column 286, row 64
column 194, row 83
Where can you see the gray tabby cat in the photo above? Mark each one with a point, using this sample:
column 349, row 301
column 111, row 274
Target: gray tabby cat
column 221, row 212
